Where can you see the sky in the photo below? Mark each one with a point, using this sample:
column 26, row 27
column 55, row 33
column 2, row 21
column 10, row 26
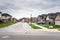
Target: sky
column 24, row 8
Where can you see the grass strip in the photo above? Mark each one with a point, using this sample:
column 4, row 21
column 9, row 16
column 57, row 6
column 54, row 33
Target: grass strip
column 34, row 27
column 6, row 24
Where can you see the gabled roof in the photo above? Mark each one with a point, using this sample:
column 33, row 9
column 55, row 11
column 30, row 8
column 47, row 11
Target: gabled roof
column 5, row 14
column 57, row 18
column 52, row 15
column 43, row 16
column 40, row 16
column 57, row 13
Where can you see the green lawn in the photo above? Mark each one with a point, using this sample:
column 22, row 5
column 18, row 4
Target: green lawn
column 47, row 26
column 34, row 27
column 56, row 27
column 6, row 24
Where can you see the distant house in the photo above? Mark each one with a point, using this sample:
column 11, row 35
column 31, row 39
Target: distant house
column 57, row 20
column 25, row 19
column 6, row 17
column 41, row 19
column 14, row 20
column 51, row 18
column 34, row 19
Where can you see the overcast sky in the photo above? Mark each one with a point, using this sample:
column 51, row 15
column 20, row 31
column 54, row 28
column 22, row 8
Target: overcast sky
column 23, row 8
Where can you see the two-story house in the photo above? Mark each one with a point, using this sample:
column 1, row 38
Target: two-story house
column 6, row 17
column 41, row 19
column 57, row 20
column 51, row 18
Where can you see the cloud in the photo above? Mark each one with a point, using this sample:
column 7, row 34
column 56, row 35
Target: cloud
column 29, row 6
column 18, row 4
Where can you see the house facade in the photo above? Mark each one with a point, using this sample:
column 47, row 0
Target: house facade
column 48, row 20
column 0, row 17
column 25, row 19
column 51, row 18
column 57, row 20
column 41, row 19
column 6, row 17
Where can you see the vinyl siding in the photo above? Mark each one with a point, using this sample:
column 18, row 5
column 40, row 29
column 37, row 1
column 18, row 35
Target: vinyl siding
column 57, row 22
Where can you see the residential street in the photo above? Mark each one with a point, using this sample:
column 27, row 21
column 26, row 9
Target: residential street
column 19, row 27
column 29, row 19
column 22, row 31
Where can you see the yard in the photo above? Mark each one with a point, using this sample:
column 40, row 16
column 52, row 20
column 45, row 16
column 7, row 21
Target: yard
column 44, row 25
column 57, row 27
column 6, row 24
column 34, row 27
column 47, row 26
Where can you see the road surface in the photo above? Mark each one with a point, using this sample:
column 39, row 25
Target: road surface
column 22, row 31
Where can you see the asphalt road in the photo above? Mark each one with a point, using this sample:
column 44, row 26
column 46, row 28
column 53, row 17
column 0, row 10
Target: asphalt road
column 22, row 31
